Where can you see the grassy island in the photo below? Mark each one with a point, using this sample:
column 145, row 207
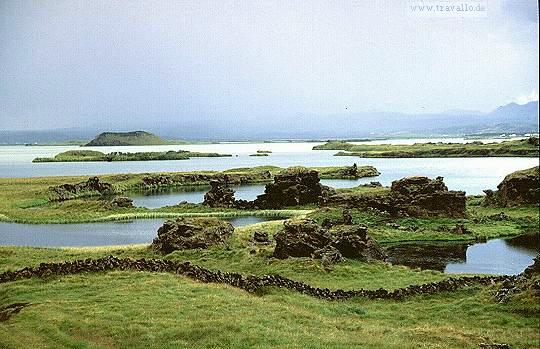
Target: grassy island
column 521, row 148
column 127, row 138
column 92, row 155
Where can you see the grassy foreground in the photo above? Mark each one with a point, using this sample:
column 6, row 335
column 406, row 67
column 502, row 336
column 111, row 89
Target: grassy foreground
column 144, row 310
column 521, row 148
column 157, row 310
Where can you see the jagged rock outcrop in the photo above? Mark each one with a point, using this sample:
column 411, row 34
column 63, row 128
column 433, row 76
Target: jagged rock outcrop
column 157, row 181
column 301, row 238
column 261, row 237
column 191, row 233
column 305, row 238
column 411, row 196
column 329, row 255
column 356, row 172
column 93, row 186
column 292, row 187
column 421, row 196
column 354, row 242
column 122, row 201
column 179, row 179
column 518, row 188
column 533, row 269
column 220, row 194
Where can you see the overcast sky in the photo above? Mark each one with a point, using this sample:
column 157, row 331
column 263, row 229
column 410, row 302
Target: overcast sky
column 123, row 63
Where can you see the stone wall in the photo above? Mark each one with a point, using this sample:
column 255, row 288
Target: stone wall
column 249, row 283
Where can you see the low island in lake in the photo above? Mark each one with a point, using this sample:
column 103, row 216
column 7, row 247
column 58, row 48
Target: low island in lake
column 522, row 148
column 93, row 155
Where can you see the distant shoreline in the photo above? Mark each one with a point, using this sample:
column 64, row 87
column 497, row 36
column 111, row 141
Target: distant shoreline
column 81, row 143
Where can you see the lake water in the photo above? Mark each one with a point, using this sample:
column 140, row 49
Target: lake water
column 93, row 234
column 497, row 256
column 195, row 194
column 470, row 174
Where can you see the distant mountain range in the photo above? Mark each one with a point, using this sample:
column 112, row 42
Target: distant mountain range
column 507, row 119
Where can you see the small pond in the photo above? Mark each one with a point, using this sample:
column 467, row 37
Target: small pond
column 497, row 256
column 93, row 234
column 195, row 194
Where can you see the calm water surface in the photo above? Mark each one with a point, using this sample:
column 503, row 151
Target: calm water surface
column 92, row 234
column 497, row 256
column 195, row 194
column 469, row 174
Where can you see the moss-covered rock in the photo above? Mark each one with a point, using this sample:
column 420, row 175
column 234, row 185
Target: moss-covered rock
column 305, row 238
column 518, row 188
column 191, row 233
column 293, row 186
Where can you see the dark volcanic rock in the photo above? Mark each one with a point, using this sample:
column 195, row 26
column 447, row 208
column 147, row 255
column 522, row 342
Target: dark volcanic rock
column 301, row 238
column 70, row 191
column 421, row 196
column 304, row 238
column 414, row 186
column 518, row 188
column 220, row 195
column 461, row 229
column 354, row 242
column 261, row 237
column 157, row 180
column 250, row 283
column 292, row 187
column 533, row 269
column 347, row 217
column 122, row 201
column 329, row 255
column 190, row 233
column 179, row 179
column 412, row 196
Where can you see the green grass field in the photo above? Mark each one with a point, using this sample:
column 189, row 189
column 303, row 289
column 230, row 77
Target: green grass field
column 145, row 310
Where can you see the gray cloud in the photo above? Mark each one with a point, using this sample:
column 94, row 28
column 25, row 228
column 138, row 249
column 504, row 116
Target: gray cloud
column 123, row 63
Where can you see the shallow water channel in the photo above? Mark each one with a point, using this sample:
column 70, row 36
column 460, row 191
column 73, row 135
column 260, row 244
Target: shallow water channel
column 195, row 194
column 93, row 234
column 498, row 256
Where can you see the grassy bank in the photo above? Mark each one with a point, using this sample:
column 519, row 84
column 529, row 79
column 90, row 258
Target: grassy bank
column 483, row 222
column 519, row 148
